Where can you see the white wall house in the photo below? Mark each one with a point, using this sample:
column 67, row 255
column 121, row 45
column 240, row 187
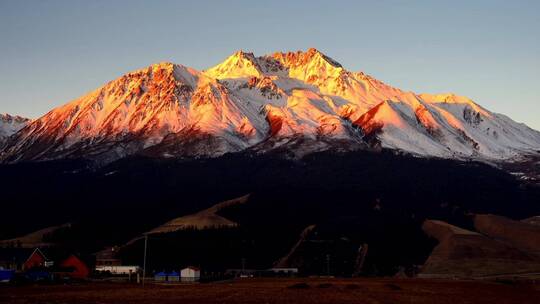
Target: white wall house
column 190, row 274
column 119, row 269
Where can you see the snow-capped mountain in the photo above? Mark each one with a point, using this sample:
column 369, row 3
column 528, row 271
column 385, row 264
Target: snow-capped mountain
column 300, row 101
column 9, row 125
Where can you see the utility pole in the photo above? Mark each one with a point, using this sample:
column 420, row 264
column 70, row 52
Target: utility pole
column 144, row 258
column 328, row 265
column 360, row 259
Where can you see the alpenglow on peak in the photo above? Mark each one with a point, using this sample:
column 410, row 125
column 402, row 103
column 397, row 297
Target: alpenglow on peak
column 302, row 102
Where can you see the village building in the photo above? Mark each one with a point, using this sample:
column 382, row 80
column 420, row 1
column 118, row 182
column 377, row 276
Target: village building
column 190, row 274
column 22, row 259
column 35, row 260
column 284, row 271
column 119, row 270
column 160, row 276
column 173, row 277
column 73, row 267
column 38, row 267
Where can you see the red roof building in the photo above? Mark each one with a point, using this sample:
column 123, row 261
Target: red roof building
column 74, row 268
column 36, row 259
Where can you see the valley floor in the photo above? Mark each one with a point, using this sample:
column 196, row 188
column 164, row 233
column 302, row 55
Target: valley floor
column 298, row 290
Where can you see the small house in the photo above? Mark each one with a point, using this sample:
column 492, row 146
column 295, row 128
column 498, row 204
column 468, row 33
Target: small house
column 280, row 271
column 36, row 260
column 190, row 274
column 160, row 277
column 119, row 270
column 173, row 277
column 21, row 259
column 74, row 268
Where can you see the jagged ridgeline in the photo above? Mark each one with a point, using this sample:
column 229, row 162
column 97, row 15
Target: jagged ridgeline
column 300, row 101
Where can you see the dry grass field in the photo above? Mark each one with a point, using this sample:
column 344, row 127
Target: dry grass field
column 299, row 290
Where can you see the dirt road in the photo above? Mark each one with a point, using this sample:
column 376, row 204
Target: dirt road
column 299, row 290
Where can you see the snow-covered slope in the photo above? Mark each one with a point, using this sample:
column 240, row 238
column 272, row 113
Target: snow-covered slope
column 142, row 109
column 9, row 125
column 297, row 101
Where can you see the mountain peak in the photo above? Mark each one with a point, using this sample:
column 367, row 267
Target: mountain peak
column 163, row 65
column 243, row 54
column 451, row 98
column 10, row 124
column 300, row 58
column 7, row 118
column 243, row 64
column 239, row 65
column 313, row 52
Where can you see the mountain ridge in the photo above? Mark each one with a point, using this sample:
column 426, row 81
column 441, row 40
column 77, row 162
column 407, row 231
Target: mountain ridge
column 9, row 125
column 170, row 110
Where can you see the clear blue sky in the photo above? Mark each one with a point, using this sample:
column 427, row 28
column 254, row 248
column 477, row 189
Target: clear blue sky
column 54, row 51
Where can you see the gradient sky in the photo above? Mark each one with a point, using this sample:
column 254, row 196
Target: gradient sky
column 54, row 51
